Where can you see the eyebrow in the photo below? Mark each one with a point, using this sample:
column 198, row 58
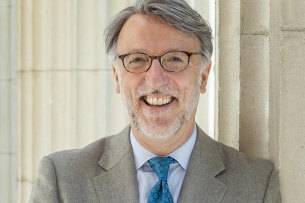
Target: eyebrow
column 146, row 52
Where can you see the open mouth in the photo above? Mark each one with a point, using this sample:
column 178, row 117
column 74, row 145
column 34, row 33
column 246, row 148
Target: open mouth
column 155, row 101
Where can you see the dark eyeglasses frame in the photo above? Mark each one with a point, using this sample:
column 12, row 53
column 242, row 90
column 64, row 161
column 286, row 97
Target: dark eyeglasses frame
column 189, row 54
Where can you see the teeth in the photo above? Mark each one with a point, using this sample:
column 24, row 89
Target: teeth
column 157, row 101
column 160, row 101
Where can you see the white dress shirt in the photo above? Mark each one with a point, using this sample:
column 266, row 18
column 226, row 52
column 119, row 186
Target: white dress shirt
column 147, row 177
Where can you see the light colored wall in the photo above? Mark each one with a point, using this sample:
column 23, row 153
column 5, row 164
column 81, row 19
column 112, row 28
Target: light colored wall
column 66, row 88
column 8, row 133
column 288, row 109
column 261, row 92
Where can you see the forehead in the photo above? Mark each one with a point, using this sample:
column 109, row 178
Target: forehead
column 148, row 34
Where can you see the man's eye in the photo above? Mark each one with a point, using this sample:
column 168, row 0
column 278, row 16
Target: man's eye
column 174, row 59
column 136, row 60
column 177, row 59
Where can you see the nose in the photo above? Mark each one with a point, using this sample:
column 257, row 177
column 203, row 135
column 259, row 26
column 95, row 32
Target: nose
column 156, row 76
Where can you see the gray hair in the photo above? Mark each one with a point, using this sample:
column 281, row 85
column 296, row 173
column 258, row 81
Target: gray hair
column 176, row 13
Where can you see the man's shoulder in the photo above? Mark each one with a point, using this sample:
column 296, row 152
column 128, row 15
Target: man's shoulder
column 237, row 163
column 241, row 169
column 91, row 153
column 231, row 157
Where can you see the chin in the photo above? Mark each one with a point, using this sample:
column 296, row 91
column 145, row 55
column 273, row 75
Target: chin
column 158, row 131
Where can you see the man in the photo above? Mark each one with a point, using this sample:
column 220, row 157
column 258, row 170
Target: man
column 160, row 53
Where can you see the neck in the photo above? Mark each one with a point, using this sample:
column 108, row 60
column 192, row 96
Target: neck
column 163, row 147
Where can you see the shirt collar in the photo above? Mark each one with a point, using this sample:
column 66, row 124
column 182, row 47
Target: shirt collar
column 182, row 154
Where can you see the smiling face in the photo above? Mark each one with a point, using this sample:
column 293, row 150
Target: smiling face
column 160, row 104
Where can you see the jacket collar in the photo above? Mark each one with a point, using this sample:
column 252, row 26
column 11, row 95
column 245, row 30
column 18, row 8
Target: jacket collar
column 118, row 179
column 200, row 183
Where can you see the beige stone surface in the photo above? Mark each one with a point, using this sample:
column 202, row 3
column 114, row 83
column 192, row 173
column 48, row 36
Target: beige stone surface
column 4, row 43
column 25, row 108
column 255, row 16
column 275, row 81
column 8, row 139
column 25, row 32
column 25, row 144
column 41, row 35
column 228, row 71
column 254, row 96
column 292, row 128
column 86, row 105
column 42, row 115
column 115, row 117
column 63, row 35
column 272, row 102
column 5, row 118
column 87, row 35
column 116, row 6
column 293, row 15
column 62, row 105
column 203, row 112
column 5, row 177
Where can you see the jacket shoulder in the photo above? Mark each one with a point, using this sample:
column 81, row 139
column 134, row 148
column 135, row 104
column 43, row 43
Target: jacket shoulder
column 62, row 175
column 256, row 176
column 90, row 153
column 234, row 159
column 87, row 158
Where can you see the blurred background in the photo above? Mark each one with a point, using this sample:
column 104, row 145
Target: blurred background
column 57, row 88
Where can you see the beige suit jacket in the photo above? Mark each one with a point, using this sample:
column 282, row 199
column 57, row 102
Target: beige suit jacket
column 104, row 171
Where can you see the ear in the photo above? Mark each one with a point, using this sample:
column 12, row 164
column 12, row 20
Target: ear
column 204, row 77
column 117, row 81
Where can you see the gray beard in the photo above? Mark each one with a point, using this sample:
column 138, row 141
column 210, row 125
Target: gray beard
column 153, row 130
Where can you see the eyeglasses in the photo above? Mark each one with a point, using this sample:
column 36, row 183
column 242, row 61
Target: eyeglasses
column 172, row 61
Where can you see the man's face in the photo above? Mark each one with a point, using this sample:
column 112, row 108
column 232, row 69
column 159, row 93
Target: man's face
column 159, row 103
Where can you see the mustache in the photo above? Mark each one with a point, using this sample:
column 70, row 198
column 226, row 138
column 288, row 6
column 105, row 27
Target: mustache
column 145, row 90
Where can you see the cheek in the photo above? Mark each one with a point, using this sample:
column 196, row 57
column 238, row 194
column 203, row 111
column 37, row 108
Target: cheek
column 188, row 80
column 130, row 85
column 191, row 89
column 133, row 80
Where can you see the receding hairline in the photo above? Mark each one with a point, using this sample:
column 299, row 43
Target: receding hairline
column 158, row 20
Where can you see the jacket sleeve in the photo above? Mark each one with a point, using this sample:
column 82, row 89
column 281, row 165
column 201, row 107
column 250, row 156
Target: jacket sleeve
column 45, row 188
column 273, row 194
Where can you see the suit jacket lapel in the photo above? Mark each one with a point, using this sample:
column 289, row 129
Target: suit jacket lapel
column 200, row 183
column 118, row 179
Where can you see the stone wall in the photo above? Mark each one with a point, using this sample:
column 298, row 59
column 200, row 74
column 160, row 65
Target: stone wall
column 261, row 92
column 8, row 105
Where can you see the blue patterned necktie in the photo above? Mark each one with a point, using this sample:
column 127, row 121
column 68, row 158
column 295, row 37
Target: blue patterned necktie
column 160, row 192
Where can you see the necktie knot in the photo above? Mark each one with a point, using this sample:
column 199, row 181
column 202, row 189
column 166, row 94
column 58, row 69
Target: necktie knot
column 160, row 192
column 161, row 166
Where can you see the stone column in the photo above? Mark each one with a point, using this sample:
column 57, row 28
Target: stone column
column 269, row 107
column 228, row 19
column 287, row 95
column 8, row 133
column 65, row 83
column 254, row 78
